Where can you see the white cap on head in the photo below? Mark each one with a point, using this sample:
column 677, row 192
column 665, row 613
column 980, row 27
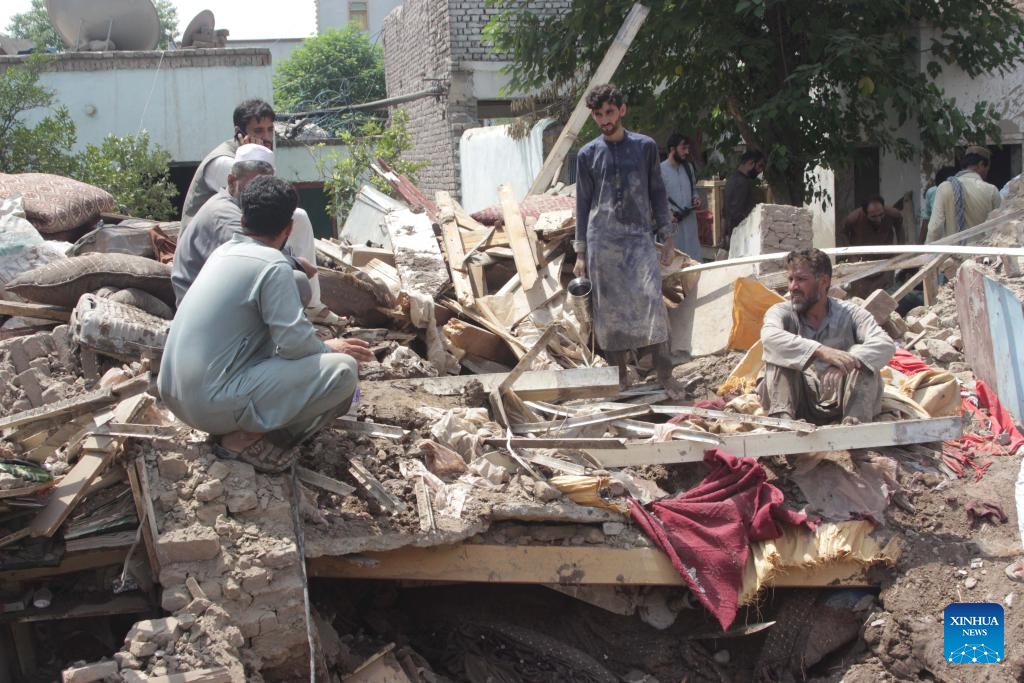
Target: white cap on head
column 253, row 152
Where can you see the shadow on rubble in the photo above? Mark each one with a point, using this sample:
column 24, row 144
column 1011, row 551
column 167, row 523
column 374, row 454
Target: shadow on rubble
column 511, row 633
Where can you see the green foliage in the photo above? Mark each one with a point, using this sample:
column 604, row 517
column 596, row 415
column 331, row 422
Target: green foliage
column 136, row 175
column 35, row 25
column 807, row 82
column 345, row 173
column 336, row 68
column 44, row 147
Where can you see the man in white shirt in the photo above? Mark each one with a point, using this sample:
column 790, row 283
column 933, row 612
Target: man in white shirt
column 680, row 177
column 965, row 200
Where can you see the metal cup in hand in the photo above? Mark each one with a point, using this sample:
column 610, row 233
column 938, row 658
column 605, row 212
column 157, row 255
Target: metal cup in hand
column 578, row 299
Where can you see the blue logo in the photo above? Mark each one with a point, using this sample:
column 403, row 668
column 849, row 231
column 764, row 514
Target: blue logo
column 973, row 633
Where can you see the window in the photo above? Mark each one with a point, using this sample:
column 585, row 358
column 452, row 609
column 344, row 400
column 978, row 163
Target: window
column 359, row 15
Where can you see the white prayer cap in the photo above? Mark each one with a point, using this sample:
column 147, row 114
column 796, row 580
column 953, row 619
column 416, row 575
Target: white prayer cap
column 253, row 152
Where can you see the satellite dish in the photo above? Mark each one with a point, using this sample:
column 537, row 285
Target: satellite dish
column 200, row 32
column 128, row 24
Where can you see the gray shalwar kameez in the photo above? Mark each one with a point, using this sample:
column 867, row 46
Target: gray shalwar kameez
column 791, row 383
column 620, row 200
column 241, row 356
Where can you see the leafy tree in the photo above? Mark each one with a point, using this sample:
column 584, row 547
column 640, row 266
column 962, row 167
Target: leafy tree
column 336, row 68
column 44, row 147
column 804, row 81
column 345, row 173
column 35, row 25
column 136, row 175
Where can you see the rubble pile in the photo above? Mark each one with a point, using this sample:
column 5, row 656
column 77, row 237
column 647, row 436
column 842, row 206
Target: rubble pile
column 492, row 449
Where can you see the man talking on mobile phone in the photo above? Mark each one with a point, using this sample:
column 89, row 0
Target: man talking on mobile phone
column 254, row 124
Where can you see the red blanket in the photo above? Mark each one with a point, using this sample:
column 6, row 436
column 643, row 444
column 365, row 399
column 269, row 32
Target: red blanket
column 707, row 531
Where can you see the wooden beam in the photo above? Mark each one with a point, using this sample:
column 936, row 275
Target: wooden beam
column 30, row 310
column 900, row 249
column 322, row 481
column 561, row 565
column 524, row 250
column 762, row 444
column 72, row 562
column 454, row 248
column 417, row 255
column 78, row 405
column 570, row 443
column 920, row 275
column 612, row 58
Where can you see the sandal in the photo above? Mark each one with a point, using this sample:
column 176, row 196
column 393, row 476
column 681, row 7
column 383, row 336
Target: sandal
column 264, row 456
column 325, row 316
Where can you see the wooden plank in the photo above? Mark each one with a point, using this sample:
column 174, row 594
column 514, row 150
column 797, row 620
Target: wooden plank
column 68, row 492
column 569, row 443
column 387, row 501
column 605, row 70
column 762, row 444
column 78, row 405
column 72, row 562
column 218, row 675
column 541, row 385
column 901, row 249
column 119, row 604
column 582, row 420
column 383, row 431
column 30, row 310
column 524, row 250
column 308, row 476
column 454, row 248
column 917, row 277
column 418, row 258
column 139, row 482
column 559, row 565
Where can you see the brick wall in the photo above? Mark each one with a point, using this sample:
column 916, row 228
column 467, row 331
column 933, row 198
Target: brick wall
column 427, row 42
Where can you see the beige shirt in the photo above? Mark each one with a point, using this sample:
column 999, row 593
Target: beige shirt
column 980, row 198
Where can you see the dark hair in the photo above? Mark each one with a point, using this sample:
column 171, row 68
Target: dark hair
column 677, row 139
column 252, row 110
column 973, row 160
column 871, row 200
column 752, row 155
column 815, row 259
column 944, row 174
column 268, row 203
column 600, row 94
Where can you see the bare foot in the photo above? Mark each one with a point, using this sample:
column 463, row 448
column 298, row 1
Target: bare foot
column 238, row 441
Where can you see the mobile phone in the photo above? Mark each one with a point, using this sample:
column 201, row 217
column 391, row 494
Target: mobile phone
column 238, row 133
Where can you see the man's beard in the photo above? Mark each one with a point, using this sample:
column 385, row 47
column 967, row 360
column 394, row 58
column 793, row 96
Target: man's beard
column 805, row 303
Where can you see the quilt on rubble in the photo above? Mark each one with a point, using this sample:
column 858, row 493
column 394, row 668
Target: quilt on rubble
column 707, row 531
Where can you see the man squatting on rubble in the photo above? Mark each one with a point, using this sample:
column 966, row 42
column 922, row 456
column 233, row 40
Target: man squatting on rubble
column 822, row 356
column 241, row 360
column 618, row 189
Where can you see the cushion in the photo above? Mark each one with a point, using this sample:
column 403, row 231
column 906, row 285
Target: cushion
column 533, row 205
column 63, row 282
column 54, row 203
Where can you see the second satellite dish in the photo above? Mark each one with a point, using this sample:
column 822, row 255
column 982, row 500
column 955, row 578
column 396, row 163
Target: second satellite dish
column 127, row 24
column 201, row 33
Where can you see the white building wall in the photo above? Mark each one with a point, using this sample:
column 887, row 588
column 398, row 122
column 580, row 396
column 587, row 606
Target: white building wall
column 184, row 99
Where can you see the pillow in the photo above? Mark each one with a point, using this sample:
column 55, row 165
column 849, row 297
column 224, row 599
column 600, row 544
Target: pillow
column 533, row 205
column 116, row 329
column 54, row 203
column 63, row 282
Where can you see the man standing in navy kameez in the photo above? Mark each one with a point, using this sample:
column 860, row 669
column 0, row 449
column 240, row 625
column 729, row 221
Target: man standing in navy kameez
column 621, row 208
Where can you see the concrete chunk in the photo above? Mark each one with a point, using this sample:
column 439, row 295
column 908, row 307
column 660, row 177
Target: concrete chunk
column 89, row 672
column 191, row 544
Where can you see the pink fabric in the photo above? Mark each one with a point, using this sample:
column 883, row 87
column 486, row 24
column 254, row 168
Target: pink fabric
column 989, row 412
column 707, row 531
column 532, row 206
column 907, row 363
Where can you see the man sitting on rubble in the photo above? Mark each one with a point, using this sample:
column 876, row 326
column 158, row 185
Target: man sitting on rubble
column 241, row 360
column 822, row 356
column 220, row 217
